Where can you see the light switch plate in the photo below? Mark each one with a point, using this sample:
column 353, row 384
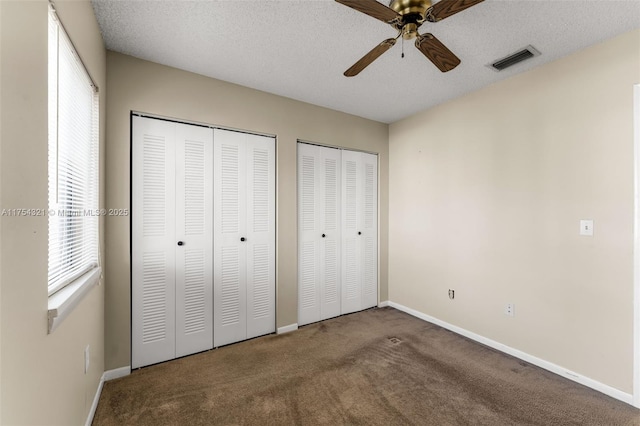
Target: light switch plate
column 586, row 227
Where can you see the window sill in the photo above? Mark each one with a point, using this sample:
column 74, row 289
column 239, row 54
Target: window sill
column 62, row 302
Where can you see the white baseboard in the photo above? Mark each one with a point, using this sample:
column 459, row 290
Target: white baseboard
column 383, row 304
column 288, row 328
column 561, row 371
column 96, row 399
column 117, row 373
column 106, row 376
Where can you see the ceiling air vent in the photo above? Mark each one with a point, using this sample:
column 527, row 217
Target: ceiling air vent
column 514, row 58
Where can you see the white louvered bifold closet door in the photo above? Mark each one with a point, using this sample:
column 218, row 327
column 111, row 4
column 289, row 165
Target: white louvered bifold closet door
column 172, row 240
column 369, row 226
column 319, row 289
column 153, row 242
column 194, row 229
column 260, row 235
column 244, row 226
column 359, row 231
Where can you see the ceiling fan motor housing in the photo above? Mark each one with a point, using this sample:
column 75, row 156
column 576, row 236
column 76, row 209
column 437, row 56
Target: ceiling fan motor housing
column 413, row 12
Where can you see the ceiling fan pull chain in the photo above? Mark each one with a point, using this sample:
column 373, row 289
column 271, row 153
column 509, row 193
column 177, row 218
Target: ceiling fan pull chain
column 402, row 56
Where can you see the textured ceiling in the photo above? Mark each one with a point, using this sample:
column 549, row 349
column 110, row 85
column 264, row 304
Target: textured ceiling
column 300, row 48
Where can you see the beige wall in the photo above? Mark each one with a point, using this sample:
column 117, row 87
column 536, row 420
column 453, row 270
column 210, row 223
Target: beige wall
column 42, row 378
column 144, row 86
column 486, row 194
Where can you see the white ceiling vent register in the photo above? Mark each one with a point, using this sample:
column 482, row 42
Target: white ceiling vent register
column 514, row 58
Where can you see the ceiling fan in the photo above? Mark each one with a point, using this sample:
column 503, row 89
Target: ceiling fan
column 407, row 16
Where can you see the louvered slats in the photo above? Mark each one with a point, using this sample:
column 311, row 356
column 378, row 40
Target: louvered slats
column 308, row 271
column 154, row 299
column 350, row 283
column 261, row 282
column 154, row 188
column 331, row 194
column 260, row 194
column 230, row 189
column 369, row 207
column 230, row 286
column 194, row 187
column 194, row 289
column 351, row 198
column 331, row 277
column 308, row 194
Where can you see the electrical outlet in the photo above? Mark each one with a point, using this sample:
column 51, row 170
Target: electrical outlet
column 586, row 227
column 510, row 309
column 87, row 357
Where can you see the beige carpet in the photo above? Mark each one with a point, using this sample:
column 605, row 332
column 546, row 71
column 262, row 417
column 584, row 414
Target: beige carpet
column 379, row 366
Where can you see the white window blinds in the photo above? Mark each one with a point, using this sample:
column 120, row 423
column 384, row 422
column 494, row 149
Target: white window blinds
column 73, row 163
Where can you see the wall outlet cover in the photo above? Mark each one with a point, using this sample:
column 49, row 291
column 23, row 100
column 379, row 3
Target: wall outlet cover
column 510, row 309
column 586, row 227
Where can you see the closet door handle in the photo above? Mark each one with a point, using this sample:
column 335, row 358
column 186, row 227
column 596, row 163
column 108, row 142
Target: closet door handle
column 323, row 235
column 180, row 243
column 242, row 239
column 359, row 233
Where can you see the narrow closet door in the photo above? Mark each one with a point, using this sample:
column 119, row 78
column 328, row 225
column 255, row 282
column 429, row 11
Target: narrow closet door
column 318, row 233
column 330, row 242
column 351, row 231
column 194, row 239
column 153, row 242
column 309, row 191
column 359, row 231
column 230, row 292
column 260, row 235
column 369, row 226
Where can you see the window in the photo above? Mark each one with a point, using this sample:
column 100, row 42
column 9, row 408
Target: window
column 73, row 164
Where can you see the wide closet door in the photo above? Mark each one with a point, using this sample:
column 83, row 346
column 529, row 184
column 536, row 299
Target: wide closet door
column 319, row 233
column 359, row 231
column 172, row 179
column 244, row 225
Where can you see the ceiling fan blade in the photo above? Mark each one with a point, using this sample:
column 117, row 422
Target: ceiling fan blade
column 437, row 52
column 373, row 9
column 370, row 57
column 445, row 8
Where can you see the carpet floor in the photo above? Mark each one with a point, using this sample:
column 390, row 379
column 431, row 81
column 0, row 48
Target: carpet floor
column 376, row 367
